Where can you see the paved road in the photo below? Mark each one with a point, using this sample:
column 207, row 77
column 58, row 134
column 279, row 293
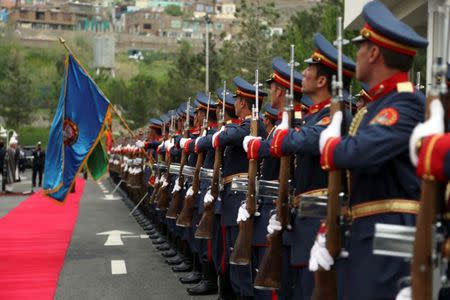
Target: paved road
column 87, row 271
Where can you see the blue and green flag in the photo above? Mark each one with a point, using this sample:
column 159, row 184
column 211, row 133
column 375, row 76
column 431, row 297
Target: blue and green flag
column 76, row 129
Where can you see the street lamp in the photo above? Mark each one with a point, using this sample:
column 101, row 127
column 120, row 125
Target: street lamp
column 207, row 22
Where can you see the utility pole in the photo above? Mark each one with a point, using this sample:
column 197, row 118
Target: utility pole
column 207, row 22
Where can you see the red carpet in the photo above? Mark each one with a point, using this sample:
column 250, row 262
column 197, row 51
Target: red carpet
column 34, row 238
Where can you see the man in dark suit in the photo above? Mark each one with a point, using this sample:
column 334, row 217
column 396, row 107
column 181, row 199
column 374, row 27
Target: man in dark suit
column 2, row 161
column 38, row 163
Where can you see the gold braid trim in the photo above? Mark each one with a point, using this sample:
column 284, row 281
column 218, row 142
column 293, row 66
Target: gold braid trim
column 354, row 126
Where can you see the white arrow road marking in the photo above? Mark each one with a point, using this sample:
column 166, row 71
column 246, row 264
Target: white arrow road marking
column 114, row 237
column 142, row 236
column 118, row 267
column 110, row 197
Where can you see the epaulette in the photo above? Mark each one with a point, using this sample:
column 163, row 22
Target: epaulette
column 405, row 87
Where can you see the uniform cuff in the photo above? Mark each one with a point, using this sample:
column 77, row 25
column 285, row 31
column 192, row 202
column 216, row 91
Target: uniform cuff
column 277, row 142
column 327, row 157
column 253, row 148
column 216, row 143
column 186, row 146
column 432, row 157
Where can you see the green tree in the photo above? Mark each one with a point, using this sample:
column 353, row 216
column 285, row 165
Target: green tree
column 139, row 106
column 182, row 82
column 254, row 42
column 16, row 102
column 173, row 10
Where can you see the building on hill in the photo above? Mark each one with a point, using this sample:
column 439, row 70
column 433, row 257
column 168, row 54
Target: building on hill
column 69, row 16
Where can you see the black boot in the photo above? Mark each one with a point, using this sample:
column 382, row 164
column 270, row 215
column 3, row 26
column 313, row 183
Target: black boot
column 185, row 266
column 159, row 241
column 169, row 253
column 163, row 247
column 191, row 278
column 176, row 260
column 208, row 284
column 195, row 276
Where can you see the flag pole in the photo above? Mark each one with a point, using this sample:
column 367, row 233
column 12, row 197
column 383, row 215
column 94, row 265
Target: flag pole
column 63, row 42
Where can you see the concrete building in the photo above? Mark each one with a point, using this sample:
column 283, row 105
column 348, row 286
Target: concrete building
column 420, row 14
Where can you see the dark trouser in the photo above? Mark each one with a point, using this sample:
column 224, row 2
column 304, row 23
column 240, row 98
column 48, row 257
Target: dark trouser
column 37, row 171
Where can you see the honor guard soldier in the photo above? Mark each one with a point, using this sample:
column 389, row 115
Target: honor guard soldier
column 235, row 164
column 270, row 118
column 383, row 187
column 206, row 281
column 227, row 101
column 309, row 178
column 279, row 84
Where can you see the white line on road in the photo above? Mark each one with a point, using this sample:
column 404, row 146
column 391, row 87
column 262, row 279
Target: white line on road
column 118, row 267
column 110, row 197
column 144, row 236
column 130, row 236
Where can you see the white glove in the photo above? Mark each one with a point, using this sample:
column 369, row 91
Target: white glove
column 320, row 257
column 208, row 197
column 243, row 214
column 168, row 144
column 189, row 192
column 404, row 294
column 183, row 142
column 434, row 125
column 247, row 140
column 274, row 224
column 176, row 186
column 215, row 135
column 140, row 144
column 165, row 183
column 160, row 146
column 333, row 130
column 284, row 122
column 157, row 180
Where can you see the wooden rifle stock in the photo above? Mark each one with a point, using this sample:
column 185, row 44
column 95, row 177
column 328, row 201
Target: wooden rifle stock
column 205, row 226
column 326, row 281
column 269, row 274
column 186, row 214
column 432, row 201
column 242, row 251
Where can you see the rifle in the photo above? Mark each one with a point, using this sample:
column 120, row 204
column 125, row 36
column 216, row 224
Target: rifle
column 205, row 226
column 186, row 214
column 177, row 200
column 158, row 173
column 432, row 198
column 164, row 193
column 326, row 281
column 269, row 275
column 242, row 252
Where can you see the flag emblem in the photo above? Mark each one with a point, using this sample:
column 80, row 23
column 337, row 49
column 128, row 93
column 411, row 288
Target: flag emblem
column 70, row 132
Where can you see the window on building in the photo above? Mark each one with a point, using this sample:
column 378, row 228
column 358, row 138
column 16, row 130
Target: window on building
column 40, row 15
column 199, row 7
column 147, row 26
column 175, row 24
column 23, row 14
column 188, row 35
column 219, row 8
column 218, row 26
column 53, row 16
column 209, row 9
